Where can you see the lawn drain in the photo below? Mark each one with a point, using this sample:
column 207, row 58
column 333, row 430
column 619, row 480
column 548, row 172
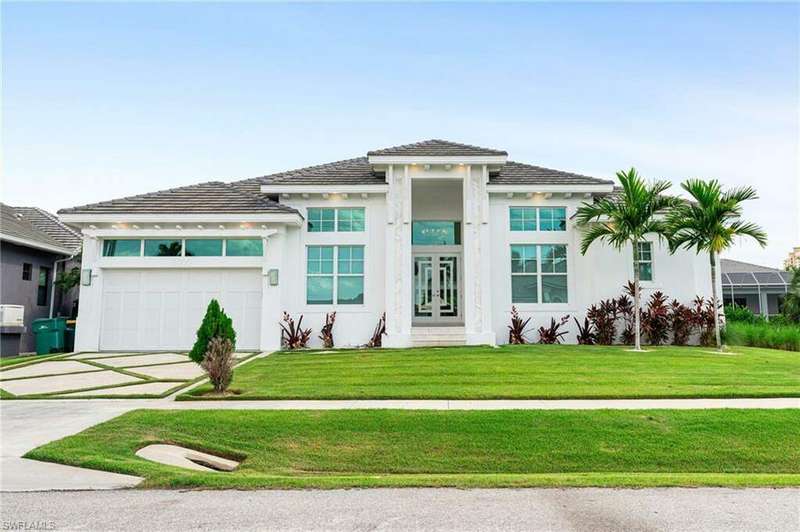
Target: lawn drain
column 175, row 455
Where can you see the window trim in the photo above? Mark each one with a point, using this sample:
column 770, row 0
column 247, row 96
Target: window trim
column 539, row 273
column 334, row 275
column 335, row 218
column 640, row 261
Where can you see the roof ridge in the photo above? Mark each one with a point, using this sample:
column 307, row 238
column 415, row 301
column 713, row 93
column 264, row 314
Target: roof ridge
column 429, row 142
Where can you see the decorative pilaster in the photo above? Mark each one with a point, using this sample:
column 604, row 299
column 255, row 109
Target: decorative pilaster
column 272, row 304
column 398, row 257
column 87, row 335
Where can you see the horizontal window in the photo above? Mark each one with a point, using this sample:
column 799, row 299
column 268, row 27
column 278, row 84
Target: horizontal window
column 342, row 219
column 539, row 273
column 162, row 248
column 340, row 280
column 244, row 247
column 538, row 218
column 435, row 233
column 122, row 248
column 203, row 248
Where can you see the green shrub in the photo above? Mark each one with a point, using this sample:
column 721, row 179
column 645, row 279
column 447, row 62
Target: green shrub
column 737, row 313
column 763, row 334
column 215, row 324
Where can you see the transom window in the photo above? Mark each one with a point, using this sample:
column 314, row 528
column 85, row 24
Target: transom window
column 340, row 280
column 342, row 219
column 435, row 233
column 645, row 262
column 539, row 273
column 184, row 247
column 538, row 218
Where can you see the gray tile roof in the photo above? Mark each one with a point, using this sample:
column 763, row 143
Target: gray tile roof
column 14, row 224
column 514, row 173
column 736, row 266
column 49, row 224
column 205, row 198
column 347, row 172
column 437, row 147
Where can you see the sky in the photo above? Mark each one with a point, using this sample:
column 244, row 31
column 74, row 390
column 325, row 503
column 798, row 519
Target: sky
column 101, row 101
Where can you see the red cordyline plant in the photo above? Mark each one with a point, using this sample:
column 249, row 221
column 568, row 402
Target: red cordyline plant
column 518, row 328
column 326, row 334
column 681, row 321
column 293, row 336
column 585, row 332
column 551, row 334
column 625, row 309
column 604, row 317
column 377, row 334
column 704, row 317
column 655, row 319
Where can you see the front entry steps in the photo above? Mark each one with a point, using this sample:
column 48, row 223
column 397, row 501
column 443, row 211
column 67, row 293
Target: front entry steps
column 436, row 336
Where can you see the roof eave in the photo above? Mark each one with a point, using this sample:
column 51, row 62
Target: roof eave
column 288, row 218
column 324, row 189
column 598, row 188
column 36, row 245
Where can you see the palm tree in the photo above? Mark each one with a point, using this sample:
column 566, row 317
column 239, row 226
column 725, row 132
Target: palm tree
column 709, row 223
column 624, row 219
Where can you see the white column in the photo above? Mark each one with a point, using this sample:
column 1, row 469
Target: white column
column 87, row 333
column 477, row 259
column 271, row 299
column 398, row 258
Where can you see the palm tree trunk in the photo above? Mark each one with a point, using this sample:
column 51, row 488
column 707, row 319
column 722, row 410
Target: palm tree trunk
column 712, row 258
column 636, row 302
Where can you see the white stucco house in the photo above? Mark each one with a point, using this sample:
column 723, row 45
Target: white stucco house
column 442, row 237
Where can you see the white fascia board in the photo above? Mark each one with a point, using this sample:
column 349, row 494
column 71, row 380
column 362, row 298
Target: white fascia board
column 36, row 245
column 279, row 218
column 179, row 233
column 502, row 189
column 428, row 159
column 325, row 189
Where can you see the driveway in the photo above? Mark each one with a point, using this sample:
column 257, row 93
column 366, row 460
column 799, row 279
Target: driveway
column 413, row 509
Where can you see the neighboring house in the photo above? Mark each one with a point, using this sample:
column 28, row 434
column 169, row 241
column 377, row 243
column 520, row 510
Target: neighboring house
column 759, row 288
column 793, row 260
column 33, row 246
column 442, row 237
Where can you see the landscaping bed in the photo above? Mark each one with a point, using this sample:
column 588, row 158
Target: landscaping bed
column 516, row 372
column 360, row 448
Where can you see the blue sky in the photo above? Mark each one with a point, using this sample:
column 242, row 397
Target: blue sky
column 108, row 100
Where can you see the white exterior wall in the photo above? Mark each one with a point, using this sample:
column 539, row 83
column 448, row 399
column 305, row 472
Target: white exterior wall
column 600, row 274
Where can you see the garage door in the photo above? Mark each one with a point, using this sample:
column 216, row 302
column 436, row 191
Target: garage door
column 161, row 309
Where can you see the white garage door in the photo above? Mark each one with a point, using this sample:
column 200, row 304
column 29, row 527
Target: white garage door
column 162, row 309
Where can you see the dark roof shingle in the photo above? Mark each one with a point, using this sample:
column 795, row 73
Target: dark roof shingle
column 514, row 173
column 50, row 225
column 15, row 225
column 347, row 172
column 437, row 148
column 205, row 198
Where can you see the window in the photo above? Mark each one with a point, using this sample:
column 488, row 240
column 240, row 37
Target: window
column 523, row 218
column 321, row 220
column 244, row 247
column 122, row 248
column 645, row 262
column 203, row 248
column 543, row 218
column 162, row 248
column 344, row 220
column 27, row 271
column 435, row 233
column 538, row 269
column 43, row 287
column 347, row 271
column 552, row 219
column 350, row 220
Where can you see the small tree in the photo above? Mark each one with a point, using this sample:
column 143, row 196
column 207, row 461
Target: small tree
column 215, row 324
column 624, row 219
column 709, row 224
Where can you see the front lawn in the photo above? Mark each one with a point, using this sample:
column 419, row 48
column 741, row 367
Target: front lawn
column 517, row 372
column 367, row 448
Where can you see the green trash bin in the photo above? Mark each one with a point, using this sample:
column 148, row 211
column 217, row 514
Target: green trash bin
column 49, row 333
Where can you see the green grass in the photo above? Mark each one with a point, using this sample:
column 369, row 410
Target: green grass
column 352, row 448
column 29, row 359
column 763, row 334
column 517, row 372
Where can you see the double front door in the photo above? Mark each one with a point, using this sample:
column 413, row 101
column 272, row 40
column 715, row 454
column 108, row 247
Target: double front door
column 437, row 288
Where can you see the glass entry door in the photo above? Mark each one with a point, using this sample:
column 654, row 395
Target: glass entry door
column 437, row 288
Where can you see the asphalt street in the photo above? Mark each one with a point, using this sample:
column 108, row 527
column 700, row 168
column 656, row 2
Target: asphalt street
column 593, row 509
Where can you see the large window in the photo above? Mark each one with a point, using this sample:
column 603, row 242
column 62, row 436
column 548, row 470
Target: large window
column 538, row 273
column 435, row 233
column 203, row 248
column 342, row 219
column 538, row 218
column 244, row 247
column 162, row 248
column 645, row 262
column 122, row 248
column 43, row 287
column 340, row 280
